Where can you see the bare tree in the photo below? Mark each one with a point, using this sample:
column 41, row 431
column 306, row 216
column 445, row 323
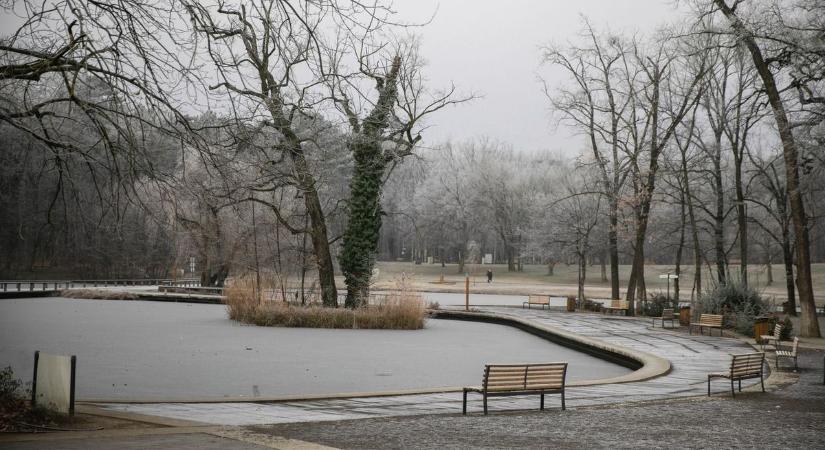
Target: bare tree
column 660, row 114
column 269, row 57
column 595, row 106
column 575, row 215
column 745, row 32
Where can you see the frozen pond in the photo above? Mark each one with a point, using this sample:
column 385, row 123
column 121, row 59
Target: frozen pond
column 154, row 350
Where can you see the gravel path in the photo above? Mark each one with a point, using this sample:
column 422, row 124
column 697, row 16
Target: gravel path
column 790, row 417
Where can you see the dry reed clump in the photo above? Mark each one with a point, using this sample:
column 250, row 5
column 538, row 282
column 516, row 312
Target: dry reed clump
column 94, row 294
column 401, row 310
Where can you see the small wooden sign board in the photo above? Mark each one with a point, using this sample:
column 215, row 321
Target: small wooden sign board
column 54, row 382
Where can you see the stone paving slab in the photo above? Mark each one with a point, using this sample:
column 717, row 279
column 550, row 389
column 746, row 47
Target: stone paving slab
column 691, row 357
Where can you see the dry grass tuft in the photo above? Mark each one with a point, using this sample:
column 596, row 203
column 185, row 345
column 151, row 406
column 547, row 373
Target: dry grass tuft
column 402, row 309
column 94, row 294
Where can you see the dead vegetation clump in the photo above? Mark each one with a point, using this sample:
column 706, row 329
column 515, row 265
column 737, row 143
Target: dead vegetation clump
column 402, row 309
column 97, row 294
column 16, row 412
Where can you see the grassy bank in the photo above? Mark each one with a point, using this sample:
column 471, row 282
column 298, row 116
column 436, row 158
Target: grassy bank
column 564, row 275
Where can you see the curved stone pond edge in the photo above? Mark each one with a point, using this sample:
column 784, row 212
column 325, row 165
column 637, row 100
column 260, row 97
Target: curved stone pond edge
column 645, row 365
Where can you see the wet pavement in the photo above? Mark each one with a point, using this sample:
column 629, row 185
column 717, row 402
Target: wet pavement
column 788, row 417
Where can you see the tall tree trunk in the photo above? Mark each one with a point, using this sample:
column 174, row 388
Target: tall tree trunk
column 809, row 323
column 741, row 218
column 787, row 259
column 613, row 244
column 603, row 261
column 582, row 277
column 320, row 242
column 641, row 283
column 637, row 268
column 680, row 248
column 360, row 242
column 306, row 183
column 719, row 220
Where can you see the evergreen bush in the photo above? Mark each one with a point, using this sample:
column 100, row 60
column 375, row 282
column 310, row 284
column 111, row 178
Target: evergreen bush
column 739, row 304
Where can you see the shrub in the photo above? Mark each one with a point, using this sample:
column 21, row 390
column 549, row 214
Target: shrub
column 655, row 304
column 16, row 413
column 590, row 305
column 403, row 309
column 787, row 327
column 10, row 387
column 740, row 305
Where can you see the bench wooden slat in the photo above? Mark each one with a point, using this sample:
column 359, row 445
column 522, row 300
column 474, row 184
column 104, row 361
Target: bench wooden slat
column 542, row 300
column 520, row 379
column 743, row 367
column 708, row 321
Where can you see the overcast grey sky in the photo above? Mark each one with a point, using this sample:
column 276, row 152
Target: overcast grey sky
column 493, row 48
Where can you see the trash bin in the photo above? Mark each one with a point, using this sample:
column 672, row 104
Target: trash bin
column 761, row 326
column 571, row 304
column 684, row 316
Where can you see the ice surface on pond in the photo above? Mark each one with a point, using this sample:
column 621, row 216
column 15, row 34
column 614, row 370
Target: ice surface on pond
column 154, row 350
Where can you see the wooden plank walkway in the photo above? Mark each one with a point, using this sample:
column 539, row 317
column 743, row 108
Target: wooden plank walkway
column 691, row 357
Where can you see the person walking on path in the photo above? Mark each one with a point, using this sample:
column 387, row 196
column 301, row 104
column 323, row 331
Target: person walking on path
column 489, row 275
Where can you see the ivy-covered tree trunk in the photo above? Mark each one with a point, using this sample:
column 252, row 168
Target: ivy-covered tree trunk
column 360, row 241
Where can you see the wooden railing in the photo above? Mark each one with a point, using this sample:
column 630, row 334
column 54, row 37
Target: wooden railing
column 46, row 285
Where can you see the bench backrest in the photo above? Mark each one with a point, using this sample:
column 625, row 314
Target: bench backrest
column 794, row 347
column 710, row 320
column 749, row 364
column 524, row 377
column 777, row 331
column 539, row 299
column 667, row 313
column 619, row 304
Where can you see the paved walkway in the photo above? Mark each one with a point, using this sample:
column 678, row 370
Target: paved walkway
column 789, row 416
column 692, row 358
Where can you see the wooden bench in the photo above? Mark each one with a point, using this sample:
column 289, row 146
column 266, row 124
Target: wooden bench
column 543, row 300
column 743, row 367
column 709, row 321
column 766, row 339
column 667, row 314
column 520, row 379
column 788, row 354
column 616, row 305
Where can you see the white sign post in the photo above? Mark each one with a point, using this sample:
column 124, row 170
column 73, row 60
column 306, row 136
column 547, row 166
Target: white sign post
column 669, row 277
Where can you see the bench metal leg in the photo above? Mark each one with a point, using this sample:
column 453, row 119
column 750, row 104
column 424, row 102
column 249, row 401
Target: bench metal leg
column 740, row 385
column 485, row 404
column 732, row 390
column 464, row 405
column 762, row 380
column 708, row 385
column 541, row 405
column 563, row 407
